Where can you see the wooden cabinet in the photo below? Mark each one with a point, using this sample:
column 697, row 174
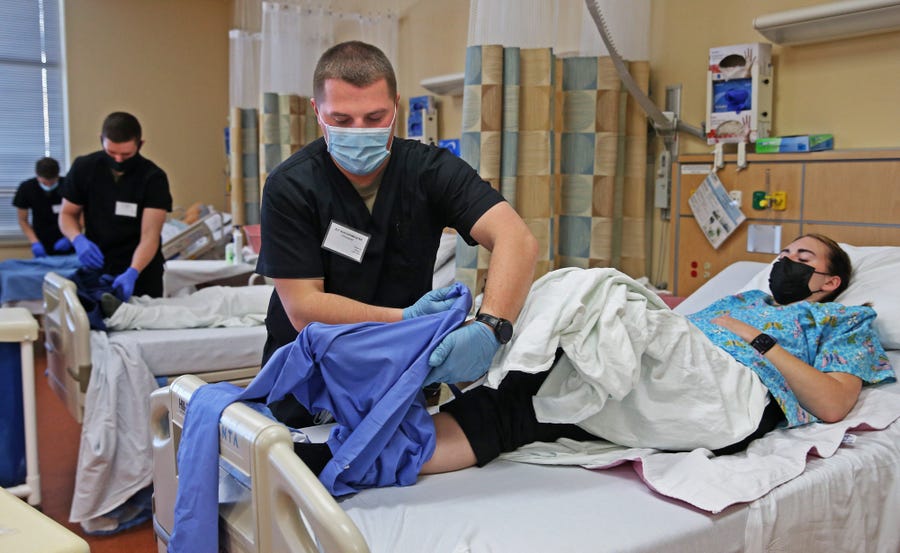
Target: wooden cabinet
column 852, row 196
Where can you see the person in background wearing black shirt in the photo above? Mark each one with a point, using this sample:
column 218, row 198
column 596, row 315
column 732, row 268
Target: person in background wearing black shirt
column 41, row 195
column 124, row 198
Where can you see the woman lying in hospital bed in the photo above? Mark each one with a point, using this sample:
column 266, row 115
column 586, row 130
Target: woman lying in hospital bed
column 615, row 379
column 800, row 357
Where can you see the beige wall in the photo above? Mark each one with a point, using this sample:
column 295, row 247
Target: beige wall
column 847, row 87
column 433, row 37
column 165, row 61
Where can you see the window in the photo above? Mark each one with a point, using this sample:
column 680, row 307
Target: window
column 32, row 123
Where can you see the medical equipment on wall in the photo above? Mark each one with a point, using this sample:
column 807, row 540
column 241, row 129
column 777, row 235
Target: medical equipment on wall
column 739, row 93
column 422, row 121
column 666, row 124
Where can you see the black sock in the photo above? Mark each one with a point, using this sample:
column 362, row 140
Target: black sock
column 316, row 456
column 109, row 303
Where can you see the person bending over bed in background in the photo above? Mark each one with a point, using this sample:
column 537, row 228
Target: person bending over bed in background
column 41, row 195
column 351, row 225
column 124, row 198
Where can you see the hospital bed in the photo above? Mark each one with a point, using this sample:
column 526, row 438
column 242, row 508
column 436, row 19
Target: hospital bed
column 105, row 380
column 21, row 279
column 204, row 238
column 269, row 501
column 231, row 354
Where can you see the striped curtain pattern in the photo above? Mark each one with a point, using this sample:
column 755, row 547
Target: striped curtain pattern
column 565, row 146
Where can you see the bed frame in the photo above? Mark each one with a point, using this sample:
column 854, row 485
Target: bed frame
column 275, row 504
column 68, row 344
column 267, row 483
column 199, row 241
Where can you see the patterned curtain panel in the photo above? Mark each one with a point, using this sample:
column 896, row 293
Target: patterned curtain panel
column 259, row 141
column 562, row 142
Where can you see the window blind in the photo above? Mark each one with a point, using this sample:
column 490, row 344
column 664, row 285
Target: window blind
column 32, row 119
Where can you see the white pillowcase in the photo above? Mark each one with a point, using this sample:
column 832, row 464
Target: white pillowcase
column 876, row 270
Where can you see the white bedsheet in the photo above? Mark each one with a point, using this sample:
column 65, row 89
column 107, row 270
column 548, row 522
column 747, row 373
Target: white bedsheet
column 115, row 457
column 634, row 372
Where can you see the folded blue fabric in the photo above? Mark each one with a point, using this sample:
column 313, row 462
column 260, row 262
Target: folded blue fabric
column 368, row 375
column 21, row 279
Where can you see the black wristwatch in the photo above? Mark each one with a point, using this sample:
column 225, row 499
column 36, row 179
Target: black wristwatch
column 763, row 343
column 503, row 329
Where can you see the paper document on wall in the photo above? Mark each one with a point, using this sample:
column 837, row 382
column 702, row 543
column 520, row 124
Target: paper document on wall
column 715, row 211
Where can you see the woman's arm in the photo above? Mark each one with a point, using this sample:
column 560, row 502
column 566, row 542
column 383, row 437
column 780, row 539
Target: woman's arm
column 829, row 396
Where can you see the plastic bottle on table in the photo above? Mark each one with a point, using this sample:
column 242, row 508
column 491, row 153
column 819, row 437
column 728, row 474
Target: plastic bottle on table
column 237, row 238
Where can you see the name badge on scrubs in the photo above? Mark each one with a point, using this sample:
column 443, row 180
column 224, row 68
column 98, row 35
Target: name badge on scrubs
column 56, row 208
column 346, row 241
column 126, row 209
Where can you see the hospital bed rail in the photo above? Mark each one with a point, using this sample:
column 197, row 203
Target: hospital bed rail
column 67, row 340
column 270, row 502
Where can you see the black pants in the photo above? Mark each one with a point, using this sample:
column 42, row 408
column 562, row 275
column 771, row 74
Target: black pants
column 502, row 420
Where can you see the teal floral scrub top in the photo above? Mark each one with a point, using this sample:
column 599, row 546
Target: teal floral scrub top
column 828, row 336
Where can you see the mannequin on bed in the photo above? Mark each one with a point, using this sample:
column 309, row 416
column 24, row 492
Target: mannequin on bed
column 716, row 379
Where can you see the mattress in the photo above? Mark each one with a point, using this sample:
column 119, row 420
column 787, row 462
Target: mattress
column 509, row 506
column 195, row 350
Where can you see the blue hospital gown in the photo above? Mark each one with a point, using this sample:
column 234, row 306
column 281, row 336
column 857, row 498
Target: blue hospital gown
column 828, row 336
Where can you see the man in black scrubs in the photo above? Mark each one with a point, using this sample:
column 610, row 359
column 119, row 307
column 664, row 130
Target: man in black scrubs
column 124, row 198
column 351, row 223
column 41, row 195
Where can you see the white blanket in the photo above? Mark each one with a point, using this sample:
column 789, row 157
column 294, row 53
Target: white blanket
column 115, row 459
column 215, row 306
column 634, row 372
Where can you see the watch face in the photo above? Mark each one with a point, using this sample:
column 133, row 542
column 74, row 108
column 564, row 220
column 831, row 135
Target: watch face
column 763, row 343
column 504, row 331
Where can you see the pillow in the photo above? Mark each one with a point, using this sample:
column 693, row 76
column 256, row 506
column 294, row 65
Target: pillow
column 875, row 272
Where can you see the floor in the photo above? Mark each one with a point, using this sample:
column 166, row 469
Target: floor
column 58, row 440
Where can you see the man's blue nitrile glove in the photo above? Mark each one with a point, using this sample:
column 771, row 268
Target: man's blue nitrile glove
column 62, row 245
column 88, row 252
column 38, row 250
column 123, row 286
column 436, row 301
column 463, row 355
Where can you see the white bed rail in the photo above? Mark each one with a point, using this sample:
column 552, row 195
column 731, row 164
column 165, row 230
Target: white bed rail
column 269, row 501
column 67, row 340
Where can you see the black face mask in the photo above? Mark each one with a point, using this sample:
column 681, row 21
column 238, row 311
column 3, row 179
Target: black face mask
column 122, row 166
column 789, row 281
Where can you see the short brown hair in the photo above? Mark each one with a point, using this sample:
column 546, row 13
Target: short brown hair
column 47, row 168
column 120, row 126
column 355, row 62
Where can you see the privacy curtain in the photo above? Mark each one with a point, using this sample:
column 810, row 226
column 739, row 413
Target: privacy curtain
column 565, row 145
column 272, row 63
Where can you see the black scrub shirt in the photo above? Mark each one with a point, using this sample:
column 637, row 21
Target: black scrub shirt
column 423, row 190
column 44, row 208
column 113, row 212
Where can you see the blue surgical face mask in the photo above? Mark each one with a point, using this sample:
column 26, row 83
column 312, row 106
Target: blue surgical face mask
column 50, row 188
column 360, row 151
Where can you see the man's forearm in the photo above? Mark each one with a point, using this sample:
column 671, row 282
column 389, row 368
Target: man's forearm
column 324, row 307
column 510, row 275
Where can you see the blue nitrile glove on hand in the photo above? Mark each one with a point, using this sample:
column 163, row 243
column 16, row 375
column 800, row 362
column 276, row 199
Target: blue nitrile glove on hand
column 38, row 250
column 436, row 301
column 123, row 286
column 88, row 253
column 464, row 355
column 62, row 245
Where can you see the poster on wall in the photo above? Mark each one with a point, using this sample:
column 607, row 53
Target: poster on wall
column 714, row 210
